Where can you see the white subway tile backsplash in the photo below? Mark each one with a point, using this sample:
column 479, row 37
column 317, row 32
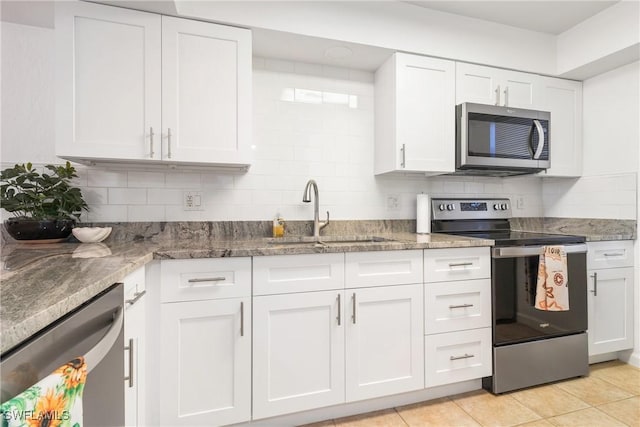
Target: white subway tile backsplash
column 183, row 180
column 107, row 213
column 127, row 196
column 165, row 196
column 145, row 179
column 145, row 213
column 106, row 178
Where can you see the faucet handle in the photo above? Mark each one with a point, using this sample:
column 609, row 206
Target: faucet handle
column 324, row 224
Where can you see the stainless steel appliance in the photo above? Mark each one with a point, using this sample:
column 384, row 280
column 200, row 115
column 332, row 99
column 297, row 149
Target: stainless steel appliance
column 530, row 346
column 501, row 141
column 95, row 331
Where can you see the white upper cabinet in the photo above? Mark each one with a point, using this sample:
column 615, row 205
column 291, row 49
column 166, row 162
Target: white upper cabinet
column 206, row 92
column 563, row 98
column 495, row 86
column 108, row 82
column 137, row 87
column 415, row 115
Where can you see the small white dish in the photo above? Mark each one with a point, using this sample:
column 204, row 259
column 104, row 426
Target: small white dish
column 91, row 234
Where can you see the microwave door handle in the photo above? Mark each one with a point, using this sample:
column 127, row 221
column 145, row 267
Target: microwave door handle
column 540, row 147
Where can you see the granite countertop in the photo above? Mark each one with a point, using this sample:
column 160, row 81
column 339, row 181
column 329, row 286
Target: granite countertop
column 41, row 283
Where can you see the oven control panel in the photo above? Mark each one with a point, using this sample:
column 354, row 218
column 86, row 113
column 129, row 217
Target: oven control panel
column 444, row 209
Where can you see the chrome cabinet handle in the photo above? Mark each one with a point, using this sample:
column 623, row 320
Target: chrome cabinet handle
column 129, row 378
column 168, row 143
column 506, row 96
column 339, row 318
column 353, row 316
column 451, row 307
column 403, row 164
column 241, row 318
column 151, row 152
column 459, row 264
column 466, row 356
column 135, row 298
column 207, row 279
column 498, row 95
column 595, row 284
column 614, row 254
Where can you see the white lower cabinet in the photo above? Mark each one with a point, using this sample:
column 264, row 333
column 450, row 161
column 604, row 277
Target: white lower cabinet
column 384, row 339
column 206, row 362
column 319, row 348
column 205, row 342
column 457, row 356
column 135, row 348
column 610, row 296
column 457, row 320
column 298, row 352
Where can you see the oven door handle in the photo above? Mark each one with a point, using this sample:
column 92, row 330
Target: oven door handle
column 525, row 251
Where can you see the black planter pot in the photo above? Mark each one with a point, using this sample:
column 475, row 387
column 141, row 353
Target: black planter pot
column 30, row 229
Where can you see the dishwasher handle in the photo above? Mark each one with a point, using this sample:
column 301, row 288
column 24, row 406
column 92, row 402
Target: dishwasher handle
column 94, row 356
column 526, row 251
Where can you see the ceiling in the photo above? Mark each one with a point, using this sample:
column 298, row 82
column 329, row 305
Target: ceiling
column 552, row 17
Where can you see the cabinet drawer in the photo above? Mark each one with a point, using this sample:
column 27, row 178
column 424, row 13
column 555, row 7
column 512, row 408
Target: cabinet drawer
column 455, row 306
column 457, row 356
column 281, row 274
column 456, row 264
column 610, row 254
column 383, row 268
column 201, row 279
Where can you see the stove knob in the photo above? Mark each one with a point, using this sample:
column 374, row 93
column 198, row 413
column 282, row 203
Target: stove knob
column 504, row 206
column 441, row 207
column 451, row 207
column 496, row 207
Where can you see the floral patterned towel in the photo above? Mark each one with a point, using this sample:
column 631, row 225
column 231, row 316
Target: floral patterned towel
column 55, row 401
column 552, row 290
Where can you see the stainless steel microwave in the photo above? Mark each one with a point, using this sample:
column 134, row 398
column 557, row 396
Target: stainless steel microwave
column 501, row 141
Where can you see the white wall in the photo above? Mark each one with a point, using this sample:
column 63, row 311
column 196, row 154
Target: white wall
column 611, row 135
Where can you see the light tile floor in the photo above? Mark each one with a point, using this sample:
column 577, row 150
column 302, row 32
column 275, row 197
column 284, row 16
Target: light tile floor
column 610, row 396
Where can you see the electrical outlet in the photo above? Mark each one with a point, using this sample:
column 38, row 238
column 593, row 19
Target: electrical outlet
column 520, row 202
column 192, row 201
column 393, row 202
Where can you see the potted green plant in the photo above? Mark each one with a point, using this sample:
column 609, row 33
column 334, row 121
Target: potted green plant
column 44, row 206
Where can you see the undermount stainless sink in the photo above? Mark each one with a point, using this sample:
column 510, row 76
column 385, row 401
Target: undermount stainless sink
column 327, row 240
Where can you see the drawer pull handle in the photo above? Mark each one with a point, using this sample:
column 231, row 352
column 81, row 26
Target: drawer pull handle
column 451, row 307
column 339, row 318
column 207, row 279
column 614, row 254
column 466, row 356
column 135, row 298
column 460, row 264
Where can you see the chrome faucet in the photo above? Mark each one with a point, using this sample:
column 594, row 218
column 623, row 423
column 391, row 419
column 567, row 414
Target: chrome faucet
column 306, row 198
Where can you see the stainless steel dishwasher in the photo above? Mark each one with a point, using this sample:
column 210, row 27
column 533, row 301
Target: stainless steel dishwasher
column 95, row 331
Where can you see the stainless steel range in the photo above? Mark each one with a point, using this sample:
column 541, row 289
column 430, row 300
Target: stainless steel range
column 530, row 346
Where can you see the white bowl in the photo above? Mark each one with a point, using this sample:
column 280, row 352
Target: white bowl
column 91, row 234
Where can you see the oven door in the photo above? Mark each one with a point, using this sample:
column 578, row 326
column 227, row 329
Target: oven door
column 514, row 281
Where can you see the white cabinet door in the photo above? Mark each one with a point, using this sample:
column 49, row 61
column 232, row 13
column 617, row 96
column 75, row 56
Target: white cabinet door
column 206, row 362
column 135, row 348
column 563, row 98
column 610, row 310
column 385, row 353
column 415, row 115
column 206, row 92
column 107, row 82
column 298, row 352
column 494, row 86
